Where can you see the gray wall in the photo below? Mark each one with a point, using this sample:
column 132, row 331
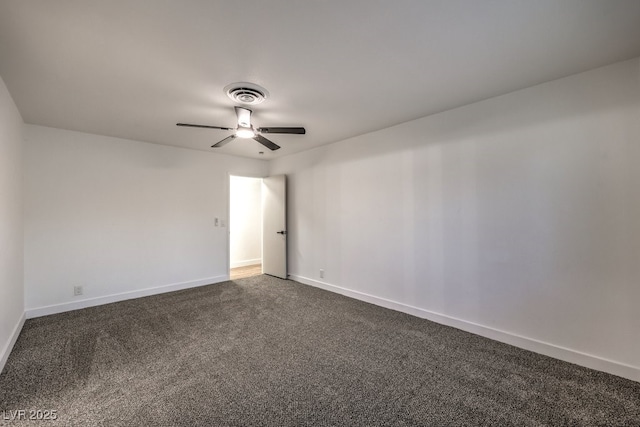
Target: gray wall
column 121, row 218
column 11, row 243
column 516, row 217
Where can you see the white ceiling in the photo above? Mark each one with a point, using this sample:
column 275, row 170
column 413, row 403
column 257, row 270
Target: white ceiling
column 340, row 68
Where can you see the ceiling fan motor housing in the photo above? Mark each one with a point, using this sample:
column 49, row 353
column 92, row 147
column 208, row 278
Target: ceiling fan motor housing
column 246, row 93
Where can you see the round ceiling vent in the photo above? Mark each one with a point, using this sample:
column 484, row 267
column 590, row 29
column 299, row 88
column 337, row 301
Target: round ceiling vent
column 246, row 93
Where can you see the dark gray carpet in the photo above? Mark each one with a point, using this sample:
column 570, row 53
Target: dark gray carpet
column 266, row 352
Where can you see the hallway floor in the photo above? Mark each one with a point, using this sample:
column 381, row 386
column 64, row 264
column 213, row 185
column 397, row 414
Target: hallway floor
column 246, row 271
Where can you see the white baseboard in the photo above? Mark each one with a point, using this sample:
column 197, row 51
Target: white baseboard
column 236, row 264
column 4, row 355
column 107, row 299
column 551, row 350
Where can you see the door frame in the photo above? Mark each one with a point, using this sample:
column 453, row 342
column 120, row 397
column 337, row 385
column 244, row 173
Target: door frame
column 228, row 190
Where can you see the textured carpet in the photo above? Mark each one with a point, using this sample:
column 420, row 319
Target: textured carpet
column 266, row 352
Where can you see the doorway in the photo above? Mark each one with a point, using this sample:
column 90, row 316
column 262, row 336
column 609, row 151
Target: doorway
column 245, row 227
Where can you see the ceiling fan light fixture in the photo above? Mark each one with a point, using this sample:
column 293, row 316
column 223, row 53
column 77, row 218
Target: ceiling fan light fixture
column 245, row 132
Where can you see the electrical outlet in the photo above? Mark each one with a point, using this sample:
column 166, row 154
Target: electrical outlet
column 216, row 222
column 77, row 290
column 321, row 273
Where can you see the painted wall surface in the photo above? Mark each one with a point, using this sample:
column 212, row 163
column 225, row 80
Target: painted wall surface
column 245, row 221
column 11, row 244
column 518, row 214
column 118, row 217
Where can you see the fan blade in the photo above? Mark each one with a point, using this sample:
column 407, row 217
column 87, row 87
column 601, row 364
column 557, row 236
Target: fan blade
column 202, row 126
column 297, row 131
column 224, row 141
column 264, row 141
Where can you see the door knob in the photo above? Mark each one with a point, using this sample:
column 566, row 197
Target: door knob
column 282, row 232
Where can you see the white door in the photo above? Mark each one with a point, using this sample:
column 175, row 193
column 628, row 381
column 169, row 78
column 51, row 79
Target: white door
column 274, row 226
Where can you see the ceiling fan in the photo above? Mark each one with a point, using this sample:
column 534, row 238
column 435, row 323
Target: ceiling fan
column 245, row 129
